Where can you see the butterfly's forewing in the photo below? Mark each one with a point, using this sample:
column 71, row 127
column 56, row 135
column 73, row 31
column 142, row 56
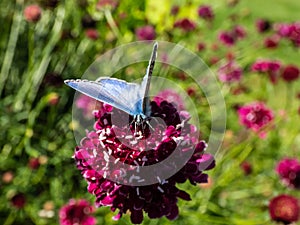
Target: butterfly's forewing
column 115, row 92
column 146, row 81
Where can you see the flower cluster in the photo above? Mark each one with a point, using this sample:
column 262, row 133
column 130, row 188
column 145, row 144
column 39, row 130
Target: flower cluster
column 290, row 31
column 104, row 153
column 230, row 37
column 145, row 33
column 255, row 116
column 77, row 212
column 230, row 72
column 185, row 24
column 275, row 69
column 205, row 12
column 289, row 171
column 271, row 67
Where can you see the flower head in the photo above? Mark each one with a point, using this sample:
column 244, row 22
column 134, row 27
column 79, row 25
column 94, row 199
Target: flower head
column 262, row 25
column 185, row 24
column 272, row 68
column 92, row 34
column 77, row 212
column 145, row 33
column 32, row 13
column 289, row 171
column 18, row 200
column 230, row 37
column 255, row 116
column 89, row 106
column 230, row 72
column 206, row 12
column 115, row 160
column 272, row 42
column 290, row 73
column 285, row 209
column 171, row 96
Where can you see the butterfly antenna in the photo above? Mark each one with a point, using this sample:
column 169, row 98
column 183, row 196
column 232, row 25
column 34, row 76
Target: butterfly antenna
column 148, row 77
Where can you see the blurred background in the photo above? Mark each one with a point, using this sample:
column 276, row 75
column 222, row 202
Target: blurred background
column 252, row 46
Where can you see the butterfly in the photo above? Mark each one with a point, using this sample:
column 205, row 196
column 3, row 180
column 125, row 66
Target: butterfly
column 131, row 98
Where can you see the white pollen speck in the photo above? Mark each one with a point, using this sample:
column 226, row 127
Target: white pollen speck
column 158, row 178
column 106, row 156
column 133, row 177
column 144, row 159
column 138, row 191
column 160, row 189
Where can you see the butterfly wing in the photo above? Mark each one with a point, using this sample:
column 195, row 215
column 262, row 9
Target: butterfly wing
column 146, row 82
column 117, row 93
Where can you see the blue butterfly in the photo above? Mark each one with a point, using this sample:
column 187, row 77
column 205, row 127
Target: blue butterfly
column 131, row 98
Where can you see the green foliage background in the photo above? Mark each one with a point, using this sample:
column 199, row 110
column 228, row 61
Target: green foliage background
column 31, row 127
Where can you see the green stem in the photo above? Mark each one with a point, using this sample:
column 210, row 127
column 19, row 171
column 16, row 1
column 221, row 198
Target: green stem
column 10, row 219
column 31, row 85
column 30, row 46
column 12, row 42
column 111, row 22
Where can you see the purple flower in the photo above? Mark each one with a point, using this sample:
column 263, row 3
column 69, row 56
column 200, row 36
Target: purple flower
column 230, row 37
column 77, row 212
column 90, row 105
column 103, row 153
column 290, row 73
column 145, row 33
column 262, row 25
column 272, row 68
column 205, row 12
column 185, row 24
column 255, row 116
column 171, row 96
column 227, row 38
column 230, row 72
column 284, row 209
column 289, row 171
column 272, row 42
column 290, row 31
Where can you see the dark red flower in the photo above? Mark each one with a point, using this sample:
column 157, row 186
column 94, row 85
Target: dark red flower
column 185, row 24
column 230, row 37
column 262, row 25
column 113, row 159
column 34, row 163
column 246, row 167
column 290, row 73
column 32, row 13
column 272, row 42
column 227, row 38
column 174, row 10
column 284, row 209
column 289, row 171
column 201, row 46
column 77, row 212
column 206, row 12
column 145, row 33
column 92, row 34
column 18, row 200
